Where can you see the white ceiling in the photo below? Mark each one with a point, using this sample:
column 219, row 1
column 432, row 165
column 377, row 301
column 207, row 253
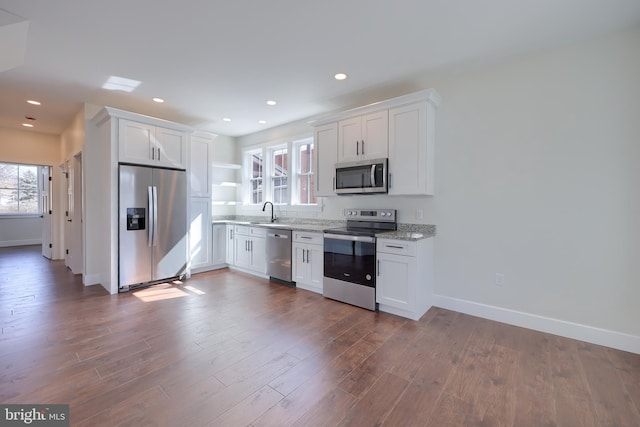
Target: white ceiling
column 224, row 58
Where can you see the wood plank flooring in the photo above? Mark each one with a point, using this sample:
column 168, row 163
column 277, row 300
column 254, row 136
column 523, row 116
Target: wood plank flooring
column 228, row 349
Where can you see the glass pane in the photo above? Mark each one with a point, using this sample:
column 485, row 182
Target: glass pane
column 280, row 162
column 8, row 201
column 8, row 176
column 280, row 190
column 256, row 161
column 305, row 156
column 28, row 194
column 306, row 188
column 256, row 191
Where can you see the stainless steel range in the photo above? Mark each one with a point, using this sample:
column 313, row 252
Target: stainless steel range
column 350, row 256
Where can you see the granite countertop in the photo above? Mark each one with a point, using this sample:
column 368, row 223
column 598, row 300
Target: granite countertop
column 410, row 232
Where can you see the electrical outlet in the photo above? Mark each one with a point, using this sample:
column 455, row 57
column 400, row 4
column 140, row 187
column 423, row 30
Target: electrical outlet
column 499, row 279
column 419, row 214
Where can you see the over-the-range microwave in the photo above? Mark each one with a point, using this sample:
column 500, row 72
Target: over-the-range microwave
column 361, row 177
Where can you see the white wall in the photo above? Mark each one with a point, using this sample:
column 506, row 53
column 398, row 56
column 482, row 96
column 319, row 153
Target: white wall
column 31, row 147
column 536, row 178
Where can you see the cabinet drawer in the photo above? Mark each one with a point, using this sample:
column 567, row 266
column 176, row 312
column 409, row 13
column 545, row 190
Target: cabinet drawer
column 307, row 237
column 398, row 247
column 242, row 229
column 258, row 231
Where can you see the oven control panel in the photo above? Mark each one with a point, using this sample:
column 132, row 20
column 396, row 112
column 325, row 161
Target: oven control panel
column 371, row 214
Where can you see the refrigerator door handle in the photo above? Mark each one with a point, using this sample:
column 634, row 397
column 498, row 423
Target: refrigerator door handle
column 155, row 216
column 151, row 216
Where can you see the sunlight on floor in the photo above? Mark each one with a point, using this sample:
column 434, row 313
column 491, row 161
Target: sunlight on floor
column 159, row 292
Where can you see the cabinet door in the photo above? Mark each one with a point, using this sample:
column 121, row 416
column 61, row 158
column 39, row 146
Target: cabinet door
column 230, row 245
column 136, row 142
column 242, row 256
column 326, row 146
column 410, row 156
column 200, row 246
column 171, row 147
column 375, row 135
column 258, row 254
column 315, row 261
column 397, row 280
column 219, row 244
column 200, row 166
column 300, row 270
column 349, row 137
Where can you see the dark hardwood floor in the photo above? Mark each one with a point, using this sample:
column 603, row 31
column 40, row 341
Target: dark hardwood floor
column 228, row 349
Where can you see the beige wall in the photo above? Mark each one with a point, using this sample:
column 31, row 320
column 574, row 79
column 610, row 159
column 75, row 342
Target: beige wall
column 31, row 147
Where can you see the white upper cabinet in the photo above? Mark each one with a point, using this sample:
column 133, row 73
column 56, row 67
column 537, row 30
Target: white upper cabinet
column 411, row 149
column 363, row 137
column 145, row 144
column 200, row 170
column 326, row 146
column 401, row 129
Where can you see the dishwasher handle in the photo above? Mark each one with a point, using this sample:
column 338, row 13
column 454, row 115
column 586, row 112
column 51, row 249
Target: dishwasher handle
column 279, row 236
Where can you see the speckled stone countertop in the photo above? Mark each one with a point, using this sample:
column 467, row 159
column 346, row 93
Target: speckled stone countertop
column 409, row 232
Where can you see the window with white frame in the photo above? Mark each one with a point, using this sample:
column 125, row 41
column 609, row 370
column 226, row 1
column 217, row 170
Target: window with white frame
column 282, row 172
column 305, row 172
column 256, row 177
column 279, row 173
column 19, row 191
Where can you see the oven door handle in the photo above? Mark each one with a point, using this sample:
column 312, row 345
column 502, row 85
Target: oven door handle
column 366, row 239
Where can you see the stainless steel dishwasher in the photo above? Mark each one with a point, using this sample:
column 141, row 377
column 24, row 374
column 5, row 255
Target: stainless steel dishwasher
column 279, row 255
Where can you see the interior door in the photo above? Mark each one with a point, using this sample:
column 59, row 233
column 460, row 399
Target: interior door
column 45, row 205
column 68, row 214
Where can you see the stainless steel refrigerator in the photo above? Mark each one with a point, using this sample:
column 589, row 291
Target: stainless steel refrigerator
column 152, row 225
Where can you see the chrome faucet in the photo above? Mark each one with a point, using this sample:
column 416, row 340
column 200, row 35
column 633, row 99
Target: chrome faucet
column 273, row 218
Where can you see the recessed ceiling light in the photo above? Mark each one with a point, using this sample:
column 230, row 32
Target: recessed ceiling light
column 226, row 119
column 262, row 122
column 158, row 100
column 340, row 76
column 120, row 83
column 32, row 102
column 27, row 125
column 271, row 102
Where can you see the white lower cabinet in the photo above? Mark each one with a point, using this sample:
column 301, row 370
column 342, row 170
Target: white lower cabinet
column 308, row 260
column 230, row 244
column 250, row 248
column 404, row 283
column 219, row 243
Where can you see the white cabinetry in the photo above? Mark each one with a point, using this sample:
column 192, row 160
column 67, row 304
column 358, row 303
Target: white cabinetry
column 411, row 149
column 145, row 144
column 250, row 248
column 363, row 137
column 404, row 283
column 219, row 244
column 200, row 165
column 230, row 244
column 200, row 246
column 308, row 260
column 326, row 146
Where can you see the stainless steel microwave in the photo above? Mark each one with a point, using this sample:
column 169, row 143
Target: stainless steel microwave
column 362, row 177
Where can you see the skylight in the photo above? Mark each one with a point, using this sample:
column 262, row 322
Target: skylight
column 121, row 84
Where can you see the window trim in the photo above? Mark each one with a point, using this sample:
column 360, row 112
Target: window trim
column 267, row 149
column 15, row 215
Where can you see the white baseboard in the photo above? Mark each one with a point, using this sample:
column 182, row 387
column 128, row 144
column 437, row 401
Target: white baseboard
column 7, row 243
column 549, row 325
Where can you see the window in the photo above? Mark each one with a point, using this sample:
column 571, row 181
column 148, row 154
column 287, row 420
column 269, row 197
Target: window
column 19, row 189
column 256, row 177
column 305, row 158
column 282, row 172
column 279, row 176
